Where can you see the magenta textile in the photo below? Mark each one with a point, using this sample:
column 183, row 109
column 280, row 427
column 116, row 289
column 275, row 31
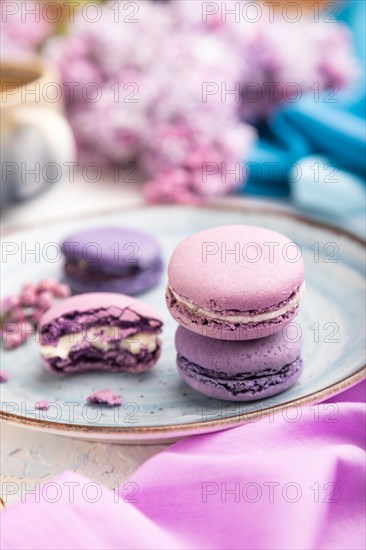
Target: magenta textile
column 290, row 481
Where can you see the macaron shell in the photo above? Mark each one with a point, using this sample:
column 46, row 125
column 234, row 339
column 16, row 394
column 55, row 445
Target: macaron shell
column 232, row 358
column 132, row 285
column 259, row 273
column 102, row 366
column 99, row 300
column 246, row 390
column 111, row 249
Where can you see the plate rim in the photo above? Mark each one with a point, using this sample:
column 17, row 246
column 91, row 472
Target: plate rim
column 260, row 207
column 235, row 420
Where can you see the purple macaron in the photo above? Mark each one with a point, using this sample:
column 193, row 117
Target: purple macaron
column 239, row 371
column 101, row 331
column 111, row 259
column 235, row 282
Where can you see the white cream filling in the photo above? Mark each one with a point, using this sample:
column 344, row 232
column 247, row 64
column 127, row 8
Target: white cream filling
column 294, row 302
column 134, row 344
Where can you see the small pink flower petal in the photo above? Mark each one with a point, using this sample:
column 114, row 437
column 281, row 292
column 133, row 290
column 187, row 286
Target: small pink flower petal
column 105, row 397
column 62, row 291
column 11, row 340
column 42, row 405
column 17, row 314
column 28, row 297
column 8, row 303
column 47, row 284
column 4, row 377
column 15, row 334
column 29, row 287
column 45, row 300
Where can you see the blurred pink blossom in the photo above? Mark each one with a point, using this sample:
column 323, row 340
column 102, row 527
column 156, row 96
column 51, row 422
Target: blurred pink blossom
column 20, row 315
column 22, row 26
column 177, row 91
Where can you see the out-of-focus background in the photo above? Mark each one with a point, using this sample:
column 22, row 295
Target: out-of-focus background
column 106, row 104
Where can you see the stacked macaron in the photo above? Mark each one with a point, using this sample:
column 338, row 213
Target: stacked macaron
column 234, row 290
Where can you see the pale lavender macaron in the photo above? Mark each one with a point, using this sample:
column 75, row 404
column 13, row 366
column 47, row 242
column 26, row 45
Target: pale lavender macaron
column 235, row 282
column 239, row 371
column 112, row 259
column 100, row 332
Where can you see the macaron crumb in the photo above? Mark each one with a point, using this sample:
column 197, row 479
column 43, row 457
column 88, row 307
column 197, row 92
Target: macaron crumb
column 42, row 405
column 4, row 377
column 105, row 397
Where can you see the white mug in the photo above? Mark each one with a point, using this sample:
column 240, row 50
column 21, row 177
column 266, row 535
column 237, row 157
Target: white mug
column 36, row 140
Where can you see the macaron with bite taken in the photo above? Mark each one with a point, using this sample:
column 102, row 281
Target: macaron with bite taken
column 100, row 332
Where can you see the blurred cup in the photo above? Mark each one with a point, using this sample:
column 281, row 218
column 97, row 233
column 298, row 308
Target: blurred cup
column 36, row 140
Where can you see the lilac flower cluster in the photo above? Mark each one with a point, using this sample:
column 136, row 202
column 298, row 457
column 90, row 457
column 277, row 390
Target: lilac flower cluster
column 19, row 315
column 22, row 31
column 172, row 56
column 176, row 90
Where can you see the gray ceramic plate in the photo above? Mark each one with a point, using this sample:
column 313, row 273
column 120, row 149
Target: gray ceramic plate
column 159, row 406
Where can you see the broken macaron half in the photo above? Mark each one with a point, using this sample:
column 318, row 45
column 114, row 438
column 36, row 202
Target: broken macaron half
column 100, row 332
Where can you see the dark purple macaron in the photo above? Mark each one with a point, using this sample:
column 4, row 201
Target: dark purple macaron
column 111, row 259
column 239, row 371
column 101, row 331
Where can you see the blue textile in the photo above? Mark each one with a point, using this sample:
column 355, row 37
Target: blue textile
column 333, row 132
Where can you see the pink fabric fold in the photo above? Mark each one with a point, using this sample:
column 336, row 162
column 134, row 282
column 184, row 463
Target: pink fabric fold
column 291, row 481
